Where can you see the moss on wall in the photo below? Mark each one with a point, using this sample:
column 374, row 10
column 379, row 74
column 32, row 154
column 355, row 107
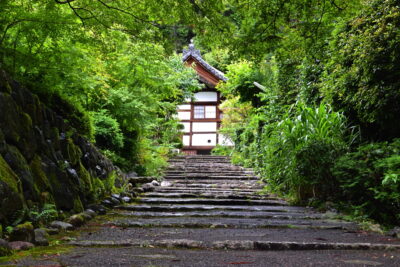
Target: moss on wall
column 11, row 197
column 40, row 178
column 43, row 159
column 9, row 177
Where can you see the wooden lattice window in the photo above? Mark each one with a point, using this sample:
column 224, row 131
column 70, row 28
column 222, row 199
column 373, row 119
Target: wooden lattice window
column 199, row 112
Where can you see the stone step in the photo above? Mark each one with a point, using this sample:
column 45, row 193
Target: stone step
column 142, row 179
column 236, row 245
column 193, row 166
column 209, row 171
column 216, row 185
column 227, row 195
column 216, row 191
column 207, row 190
column 202, row 176
column 198, row 207
column 202, row 162
column 237, row 182
column 218, row 213
column 242, row 223
column 212, row 177
column 177, row 201
column 198, row 162
column 206, row 168
column 197, row 158
column 201, row 156
column 208, row 236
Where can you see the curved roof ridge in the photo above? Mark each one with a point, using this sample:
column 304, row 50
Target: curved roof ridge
column 193, row 52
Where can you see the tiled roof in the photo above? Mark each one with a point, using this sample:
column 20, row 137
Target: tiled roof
column 192, row 52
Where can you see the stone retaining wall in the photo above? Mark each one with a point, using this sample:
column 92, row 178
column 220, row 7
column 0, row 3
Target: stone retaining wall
column 43, row 159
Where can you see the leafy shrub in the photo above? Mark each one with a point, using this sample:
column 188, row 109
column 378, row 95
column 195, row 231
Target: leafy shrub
column 108, row 134
column 369, row 180
column 361, row 77
column 241, row 82
column 44, row 215
column 222, row 150
column 299, row 151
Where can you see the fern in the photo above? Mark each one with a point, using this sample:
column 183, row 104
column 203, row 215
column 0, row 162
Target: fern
column 45, row 215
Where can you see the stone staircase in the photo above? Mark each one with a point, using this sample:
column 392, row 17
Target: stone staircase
column 204, row 202
column 208, row 212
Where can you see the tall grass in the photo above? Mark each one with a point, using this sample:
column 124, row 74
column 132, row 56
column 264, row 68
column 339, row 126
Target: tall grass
column 299, row 151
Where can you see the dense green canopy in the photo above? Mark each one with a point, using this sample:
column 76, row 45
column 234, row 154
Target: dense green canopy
column 328, row 71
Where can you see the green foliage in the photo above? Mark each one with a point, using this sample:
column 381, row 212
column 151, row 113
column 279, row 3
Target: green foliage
column 109, row 183
column 97, row 62
column 222, row 150
column 9, row 229
column 361, row 76
column 330, row 54
column 108, row 133
column 299, row 151
column 241, row 77
column 369, row 180
column 108, row 68
column 44, row 215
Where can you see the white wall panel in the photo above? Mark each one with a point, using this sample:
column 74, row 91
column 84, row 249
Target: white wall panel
column 204, row 139
column 186, row 140
column 205, row 96
column 211, row 112
column 183, row 106
column 184, row 115
column 204, row 127
column 186, row 127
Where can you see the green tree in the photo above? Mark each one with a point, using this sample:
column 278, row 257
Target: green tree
column 362, row 75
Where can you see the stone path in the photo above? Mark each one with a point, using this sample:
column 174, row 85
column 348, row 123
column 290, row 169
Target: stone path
column 210, row 213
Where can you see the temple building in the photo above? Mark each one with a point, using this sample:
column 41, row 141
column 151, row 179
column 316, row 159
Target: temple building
column 201, row 116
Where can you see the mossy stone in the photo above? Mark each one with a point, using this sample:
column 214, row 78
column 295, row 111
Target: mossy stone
column 19, row 165
column 5, row 249
column 40, row 178
column 8, row 121
column 27, row 144
column 23, row 232
column 11, row 197
column 76, row 220
column 5, row 82
column 78, row 207
column 55, row 137
column 41, row 181
column 87, row 180
column 71, row 151
column 99, row 190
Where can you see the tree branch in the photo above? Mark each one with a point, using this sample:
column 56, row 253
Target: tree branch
column 335, row 5
column 153, row 23
column 64, row 2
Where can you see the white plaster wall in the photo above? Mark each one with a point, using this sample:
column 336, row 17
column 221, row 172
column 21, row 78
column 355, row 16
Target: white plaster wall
column 211, row 112
column 205, row 96
column 202, row 139
column 204, row 127
column 184, row 115
column 224, row 140
column 186, row 127
column 183, row 107
column 186, row 140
